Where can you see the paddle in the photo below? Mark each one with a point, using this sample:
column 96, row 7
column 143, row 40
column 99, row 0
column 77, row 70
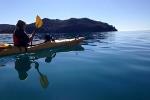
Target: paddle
column 44, row 81
column 38, row 24
column 43, row 78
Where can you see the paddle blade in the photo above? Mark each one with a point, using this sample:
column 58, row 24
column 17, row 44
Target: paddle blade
column 38, row 22
column 44, row 81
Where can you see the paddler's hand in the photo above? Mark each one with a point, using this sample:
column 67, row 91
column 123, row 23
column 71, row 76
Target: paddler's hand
column 32, row 35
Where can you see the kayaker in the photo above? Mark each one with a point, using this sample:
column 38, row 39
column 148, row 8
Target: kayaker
column 49, row 38
column 20, row 37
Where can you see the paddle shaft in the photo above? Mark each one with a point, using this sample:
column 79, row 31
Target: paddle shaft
column 32, row 35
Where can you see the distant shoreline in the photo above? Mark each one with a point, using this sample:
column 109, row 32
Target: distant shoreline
column 72, row 25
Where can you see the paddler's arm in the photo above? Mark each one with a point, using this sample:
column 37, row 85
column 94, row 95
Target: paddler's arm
column 32, row 35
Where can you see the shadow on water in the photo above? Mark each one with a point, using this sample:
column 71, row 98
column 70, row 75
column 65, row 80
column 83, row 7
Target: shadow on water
column 23, row 62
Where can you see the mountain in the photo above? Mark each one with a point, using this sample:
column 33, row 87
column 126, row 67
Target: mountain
column 6, row 28
column 64, row 26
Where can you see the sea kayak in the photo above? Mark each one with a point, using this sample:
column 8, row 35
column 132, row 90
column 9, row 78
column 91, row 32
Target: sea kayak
column 11, row 50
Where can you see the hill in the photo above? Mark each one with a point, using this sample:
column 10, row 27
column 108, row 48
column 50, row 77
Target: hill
column 64, row 26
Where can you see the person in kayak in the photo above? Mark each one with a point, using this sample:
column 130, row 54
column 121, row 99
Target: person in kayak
column 49, row 38
column 20, row 37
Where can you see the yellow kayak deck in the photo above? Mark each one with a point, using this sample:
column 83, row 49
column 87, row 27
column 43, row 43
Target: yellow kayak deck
column 58, row 43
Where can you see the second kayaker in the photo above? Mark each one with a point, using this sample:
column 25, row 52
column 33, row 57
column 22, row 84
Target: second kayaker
column 48, row 38
column 20, row 37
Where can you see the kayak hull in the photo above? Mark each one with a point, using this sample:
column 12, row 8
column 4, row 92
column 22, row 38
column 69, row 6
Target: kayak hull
column 58, row 43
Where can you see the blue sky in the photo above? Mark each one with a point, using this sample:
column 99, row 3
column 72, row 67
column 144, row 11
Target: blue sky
column 126, row 15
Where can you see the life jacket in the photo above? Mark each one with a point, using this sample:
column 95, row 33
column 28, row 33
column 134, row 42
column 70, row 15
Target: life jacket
column 16, row 40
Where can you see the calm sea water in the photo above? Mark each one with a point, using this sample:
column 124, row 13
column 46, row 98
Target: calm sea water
column 106, row 66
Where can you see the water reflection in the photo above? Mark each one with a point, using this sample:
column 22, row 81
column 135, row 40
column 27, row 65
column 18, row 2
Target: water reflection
column 99, row 38
column 24, row 62
column 43, row 78
column 22, row 65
